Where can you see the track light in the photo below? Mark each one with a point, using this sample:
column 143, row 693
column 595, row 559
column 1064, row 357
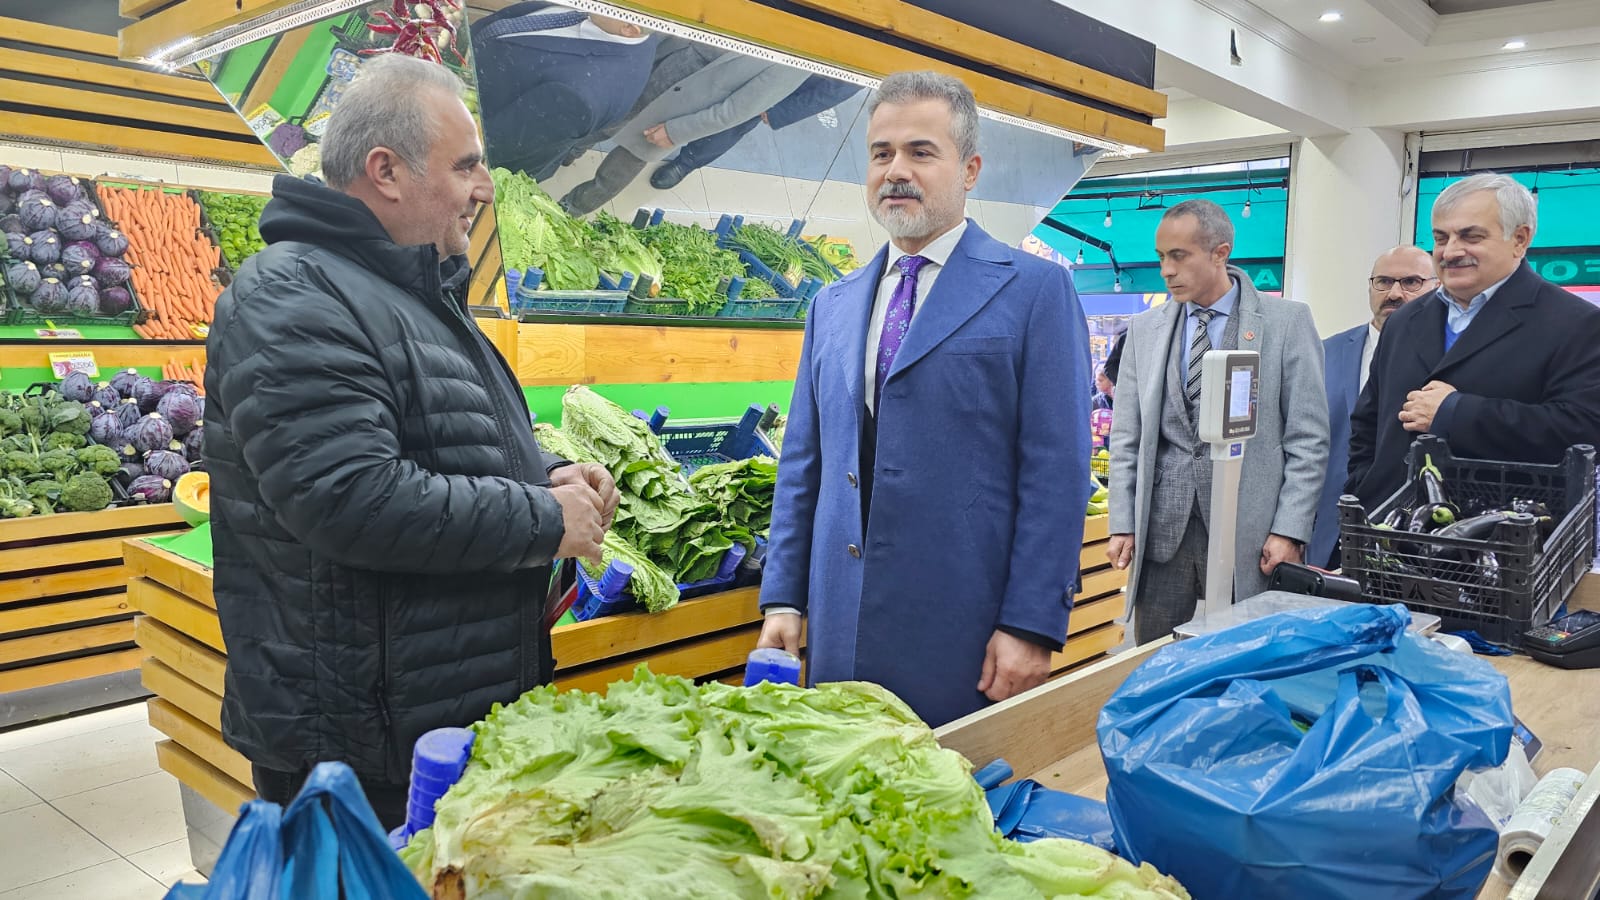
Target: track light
column 1246, row 211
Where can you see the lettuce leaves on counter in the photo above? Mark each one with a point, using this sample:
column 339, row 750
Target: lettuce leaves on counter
column 666, row 790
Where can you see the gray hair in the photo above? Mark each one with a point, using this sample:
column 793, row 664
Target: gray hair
column 1216, row 228
column 911, row 87
column 383, row 107
column 1517, row 206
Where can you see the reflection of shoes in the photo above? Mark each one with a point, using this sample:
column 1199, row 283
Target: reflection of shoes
column 573, row 156
column 668, row 175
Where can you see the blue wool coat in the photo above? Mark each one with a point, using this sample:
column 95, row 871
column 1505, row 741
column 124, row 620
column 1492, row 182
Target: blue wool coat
column 979, row 487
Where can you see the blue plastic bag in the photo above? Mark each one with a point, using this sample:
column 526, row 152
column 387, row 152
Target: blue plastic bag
column 1027, row 811
column 328, row 838
column 1309, row 754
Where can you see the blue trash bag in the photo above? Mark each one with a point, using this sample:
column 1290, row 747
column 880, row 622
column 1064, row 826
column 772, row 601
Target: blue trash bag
column 328, row 838
column 1308, row 754
column 1026, row 810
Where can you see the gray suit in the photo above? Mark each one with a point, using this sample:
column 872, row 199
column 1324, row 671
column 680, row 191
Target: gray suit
column 727, row 91
column 1157, row 483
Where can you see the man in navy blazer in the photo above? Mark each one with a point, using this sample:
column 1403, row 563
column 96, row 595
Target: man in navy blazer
column 1499, row 362
column 935, row 471
column 1398, row 277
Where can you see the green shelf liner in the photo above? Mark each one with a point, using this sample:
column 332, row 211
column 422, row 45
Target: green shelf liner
column 194, row 545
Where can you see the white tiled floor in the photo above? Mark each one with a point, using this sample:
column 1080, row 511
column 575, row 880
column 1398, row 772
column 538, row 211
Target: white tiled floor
column 86, row 813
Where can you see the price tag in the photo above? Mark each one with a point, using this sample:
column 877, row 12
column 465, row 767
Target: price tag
column 59, row 334
column 64, row 364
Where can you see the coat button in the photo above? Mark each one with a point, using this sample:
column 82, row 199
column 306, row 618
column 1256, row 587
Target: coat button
column 850, row 477
column 1199, row 453
column 855, row 551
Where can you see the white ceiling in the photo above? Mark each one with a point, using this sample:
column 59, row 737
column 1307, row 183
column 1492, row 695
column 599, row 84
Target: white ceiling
column 1377, row 35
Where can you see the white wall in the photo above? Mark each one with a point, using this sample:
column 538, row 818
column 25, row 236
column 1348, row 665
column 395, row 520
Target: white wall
column 139, row 168
column 1344, row 210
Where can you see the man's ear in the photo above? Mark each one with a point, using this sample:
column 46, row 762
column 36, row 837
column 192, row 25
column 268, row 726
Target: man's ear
column 1521, row 239
column 974, row 165
column 1220, row 254
column 383, row 170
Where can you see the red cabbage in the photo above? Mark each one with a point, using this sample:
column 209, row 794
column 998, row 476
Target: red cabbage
column 115, row 301
column 50, row 297
column 24, row 277
column 111, row 271
column 76, row 386
column 57, row 271
column 127, row 414
column 166, row 464
column 77, row 226
column 21, row 181
column 193, row 442
column 103, row 430
column 37, row 210
column 151, row 488
column 145, row 391
column 79, row 257
column 150, row 433
column 123, row 381
column 5, row 174
column 180, row 411
column 132, row 469
column 12, row 224
column 63, row 189
column 46, row 247
column 83, row 300
column 19, row 246
column 7, row 203
column 111, row 242
column 107, row 397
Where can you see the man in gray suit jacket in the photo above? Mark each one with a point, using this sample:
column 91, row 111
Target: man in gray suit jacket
column 1161, row 471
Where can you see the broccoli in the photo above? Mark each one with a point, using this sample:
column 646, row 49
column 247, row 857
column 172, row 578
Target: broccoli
column 45, row 494
column 70, row 417
column 86, row 492
column 60, row 463
column 33, row 416
column 14, row 502
column 99, row 460
column 10, row 422
column 63, row 440
column 21, row 462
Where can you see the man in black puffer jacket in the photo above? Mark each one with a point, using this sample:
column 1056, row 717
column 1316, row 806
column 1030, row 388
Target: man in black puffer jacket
column 384, row 521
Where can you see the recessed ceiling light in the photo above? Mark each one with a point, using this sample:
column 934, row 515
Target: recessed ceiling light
column 1331, row 15
column 1362, row 40
column 1514, row 45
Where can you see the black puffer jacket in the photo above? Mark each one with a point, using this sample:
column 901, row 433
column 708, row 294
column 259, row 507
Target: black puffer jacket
column 382, row 544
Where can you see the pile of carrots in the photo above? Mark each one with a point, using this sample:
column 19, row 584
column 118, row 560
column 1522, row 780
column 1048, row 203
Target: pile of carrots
column 172, row 260
column 190, row 370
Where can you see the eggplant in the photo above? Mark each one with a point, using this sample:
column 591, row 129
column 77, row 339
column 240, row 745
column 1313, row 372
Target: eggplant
column 1477, row 528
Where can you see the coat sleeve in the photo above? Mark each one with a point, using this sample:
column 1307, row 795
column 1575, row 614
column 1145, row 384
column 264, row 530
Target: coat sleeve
column 1052, row 462
column 1126, row 426
column 1364, row 420
column 752, row 98
column 1304, row 407
column 1568, row 413
column 317, row 421
column 786, row 572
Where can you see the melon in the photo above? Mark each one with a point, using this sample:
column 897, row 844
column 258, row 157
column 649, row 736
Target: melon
column 192, row 496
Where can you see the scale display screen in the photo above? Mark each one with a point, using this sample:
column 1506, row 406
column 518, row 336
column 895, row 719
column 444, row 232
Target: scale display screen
column 1240, row 398
column 1229, row 391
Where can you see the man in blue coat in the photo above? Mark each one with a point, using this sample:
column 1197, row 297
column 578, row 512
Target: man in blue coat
column 930, row 505
column 1398, row 277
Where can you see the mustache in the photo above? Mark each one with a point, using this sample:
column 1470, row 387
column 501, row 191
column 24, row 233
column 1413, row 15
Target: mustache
column 1465, row 262
column 903, row 189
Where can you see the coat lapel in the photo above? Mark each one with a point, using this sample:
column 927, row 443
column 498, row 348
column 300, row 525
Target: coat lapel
column 1497, row 319
column 1249, row 310
column 978, row 268
column 1430, row 343
column 1154, row 384
column 856, row 296
column 1355, row 346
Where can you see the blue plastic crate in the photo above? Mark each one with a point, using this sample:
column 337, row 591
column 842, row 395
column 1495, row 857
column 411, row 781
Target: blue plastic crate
column 759, row 309
column 759, row 269
column 706, row 443
column 608, row 595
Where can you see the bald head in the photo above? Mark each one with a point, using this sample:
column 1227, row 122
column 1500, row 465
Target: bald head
column 1399, row 276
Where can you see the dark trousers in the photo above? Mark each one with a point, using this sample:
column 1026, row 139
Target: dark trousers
column 387, row 800
column 1169, row 592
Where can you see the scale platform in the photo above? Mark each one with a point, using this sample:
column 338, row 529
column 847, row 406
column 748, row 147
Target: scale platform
column 1271, row 603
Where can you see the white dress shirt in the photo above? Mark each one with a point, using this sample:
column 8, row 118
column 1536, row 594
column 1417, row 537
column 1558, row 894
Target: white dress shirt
column 1366, row 356
column 937, row 255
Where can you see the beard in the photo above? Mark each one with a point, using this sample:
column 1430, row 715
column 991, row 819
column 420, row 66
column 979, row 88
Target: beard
column 931, row 214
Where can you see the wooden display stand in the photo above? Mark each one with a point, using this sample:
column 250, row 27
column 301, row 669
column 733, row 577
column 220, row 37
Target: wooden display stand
column 64, row 609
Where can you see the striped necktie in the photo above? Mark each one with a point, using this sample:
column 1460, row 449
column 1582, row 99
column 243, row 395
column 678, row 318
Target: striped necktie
column 1198, row 348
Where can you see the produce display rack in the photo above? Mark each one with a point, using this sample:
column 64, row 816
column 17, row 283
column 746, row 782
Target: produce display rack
column 14, row 313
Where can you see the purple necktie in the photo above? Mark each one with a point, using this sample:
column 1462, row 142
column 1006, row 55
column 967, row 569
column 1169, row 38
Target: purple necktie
column 896, row 321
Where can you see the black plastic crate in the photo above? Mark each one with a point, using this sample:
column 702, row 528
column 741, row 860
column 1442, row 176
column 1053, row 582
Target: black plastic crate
column 1499, row 586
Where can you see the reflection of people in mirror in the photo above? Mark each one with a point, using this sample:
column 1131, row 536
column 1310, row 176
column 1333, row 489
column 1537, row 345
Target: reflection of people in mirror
column 549, row 78
column 815, row 95
column 730, row 90
column 928, row 520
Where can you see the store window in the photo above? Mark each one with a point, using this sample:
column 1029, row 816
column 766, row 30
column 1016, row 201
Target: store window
column 1104, row 230
column 1564, row 178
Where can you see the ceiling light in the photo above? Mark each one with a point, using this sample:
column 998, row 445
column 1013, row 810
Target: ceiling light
column 1331, row 15
column 1517, row 44
column 1246, row 212
column 1080, row 256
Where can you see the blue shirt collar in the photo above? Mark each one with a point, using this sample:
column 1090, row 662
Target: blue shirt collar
column 1224, row 306
column 1477, row 302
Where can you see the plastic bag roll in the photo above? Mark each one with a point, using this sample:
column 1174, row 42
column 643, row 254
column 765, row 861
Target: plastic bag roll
column 1533, row 820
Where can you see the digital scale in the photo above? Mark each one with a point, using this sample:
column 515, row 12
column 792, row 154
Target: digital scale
column 1570, row 642
column 1230, row 387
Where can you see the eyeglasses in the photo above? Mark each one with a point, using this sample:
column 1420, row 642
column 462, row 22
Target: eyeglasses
column 1408, row 284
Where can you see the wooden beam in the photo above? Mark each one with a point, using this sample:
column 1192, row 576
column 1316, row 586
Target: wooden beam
column 188, row 18
column 49, row 615
column 275, row 68
column 25, row 32
column 98, row 103
column 76, row 525
column 1086, row 646
column 797, row 35
column 579, row 645
column 1094, row 613
column 80, row 581
column 173, row 609
column 109, row 357
column 691, row 659
column 933, row 30
column 209, row 781
column 181, row 653
column 70, row 553
column 187, row 577
column 127, row 139
column 138, row 9
column 166, row 683
column 200, row 739
column 69, row 670
column 633, row 354
column 50, row 66
column 71, row 640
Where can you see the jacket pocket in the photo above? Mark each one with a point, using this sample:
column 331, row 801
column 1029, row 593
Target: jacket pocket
column 394, row 770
